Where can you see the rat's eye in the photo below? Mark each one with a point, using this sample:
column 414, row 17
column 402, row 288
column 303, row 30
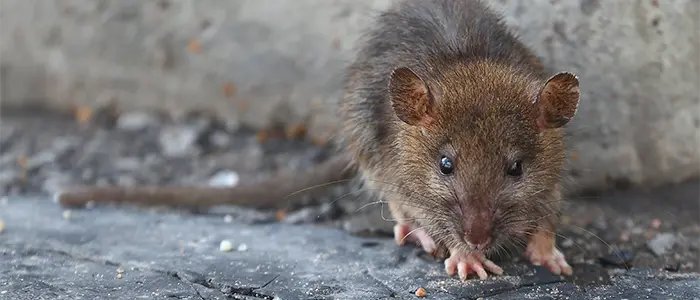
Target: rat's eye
column 446, row 167
column 515, row 169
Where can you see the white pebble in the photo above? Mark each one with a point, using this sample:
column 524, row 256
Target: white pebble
column 67, row 214
column 662, row 243
column 56, row 196
column 225, row 246
column 224, row 179
column 228, row 218
column 242, row 247
column 136, row 121
column 90, row 205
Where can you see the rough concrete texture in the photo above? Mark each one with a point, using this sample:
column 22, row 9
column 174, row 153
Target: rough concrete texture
column 127, row 254
column 260, row 61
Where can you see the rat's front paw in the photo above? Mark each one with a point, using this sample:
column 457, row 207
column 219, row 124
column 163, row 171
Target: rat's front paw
column 470, row 262
column 404, row 233
column 543, row 252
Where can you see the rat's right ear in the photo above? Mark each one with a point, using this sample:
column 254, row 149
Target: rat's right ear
column 557, row 101
column 411, row 97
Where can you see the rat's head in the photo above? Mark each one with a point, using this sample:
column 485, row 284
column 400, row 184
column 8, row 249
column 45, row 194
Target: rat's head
column 484, row 147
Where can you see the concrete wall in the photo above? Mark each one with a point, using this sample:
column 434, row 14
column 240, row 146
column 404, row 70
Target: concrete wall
column 257, row 61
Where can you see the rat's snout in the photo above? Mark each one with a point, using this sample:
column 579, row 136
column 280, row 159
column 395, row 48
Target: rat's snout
column 478, row 230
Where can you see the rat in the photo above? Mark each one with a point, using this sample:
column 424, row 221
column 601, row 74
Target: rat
column 450, row 119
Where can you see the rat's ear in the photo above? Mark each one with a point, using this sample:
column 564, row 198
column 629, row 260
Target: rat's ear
column 557, row 101
column 411, row 97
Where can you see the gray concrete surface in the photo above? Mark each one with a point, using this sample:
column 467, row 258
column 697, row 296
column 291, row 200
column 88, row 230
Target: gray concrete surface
column 111, row 253
column 637, row 61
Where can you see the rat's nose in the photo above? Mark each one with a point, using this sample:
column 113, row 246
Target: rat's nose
column 479, row 235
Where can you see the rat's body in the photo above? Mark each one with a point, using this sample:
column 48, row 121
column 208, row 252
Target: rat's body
column 452, row 121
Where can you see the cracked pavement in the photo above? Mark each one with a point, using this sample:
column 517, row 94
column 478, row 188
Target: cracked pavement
column 131, row 253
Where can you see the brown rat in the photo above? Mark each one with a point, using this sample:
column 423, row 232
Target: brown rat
column 453, row 121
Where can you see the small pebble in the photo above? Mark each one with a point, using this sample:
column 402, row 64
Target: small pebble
column 625, row 236
column 661, row 243
column 120, row 270
column 304, row 215
column 228, row 218
column 567, row 243
column 67, row 214
column 135, row 121
column 673, row 267
column 420, row 292
column 224, row 179
column 90, row 205
column 600, row 223
column 119, row 276
column 225, row 246
column 220, row 139
column 2, row 226
column 693, row 246
column 178, row 141
column 619, row 258
column 242, row 247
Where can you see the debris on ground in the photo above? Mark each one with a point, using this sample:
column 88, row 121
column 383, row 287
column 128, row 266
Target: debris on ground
column 618, row 258
column 662, row 243
column 225, row 246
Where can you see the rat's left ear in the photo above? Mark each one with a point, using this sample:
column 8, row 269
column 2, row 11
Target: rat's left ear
column 411, row 98
column 557, row 101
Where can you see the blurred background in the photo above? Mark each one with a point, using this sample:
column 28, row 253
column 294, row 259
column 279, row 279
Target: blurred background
column 207, row 91
column 262, row 63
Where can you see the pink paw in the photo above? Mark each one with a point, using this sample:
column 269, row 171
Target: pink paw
column 403, row 233
column 472, row 262
column 552, row 259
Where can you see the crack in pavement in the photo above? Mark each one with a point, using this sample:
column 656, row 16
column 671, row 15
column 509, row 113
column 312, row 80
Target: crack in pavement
column 227, row 290
column 189, row 277
column 371, row 276
column 515, row 288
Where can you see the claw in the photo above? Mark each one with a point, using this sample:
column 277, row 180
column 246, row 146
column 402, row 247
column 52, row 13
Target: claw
column 543, row 252
column 471, row 262
column 404, row 233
